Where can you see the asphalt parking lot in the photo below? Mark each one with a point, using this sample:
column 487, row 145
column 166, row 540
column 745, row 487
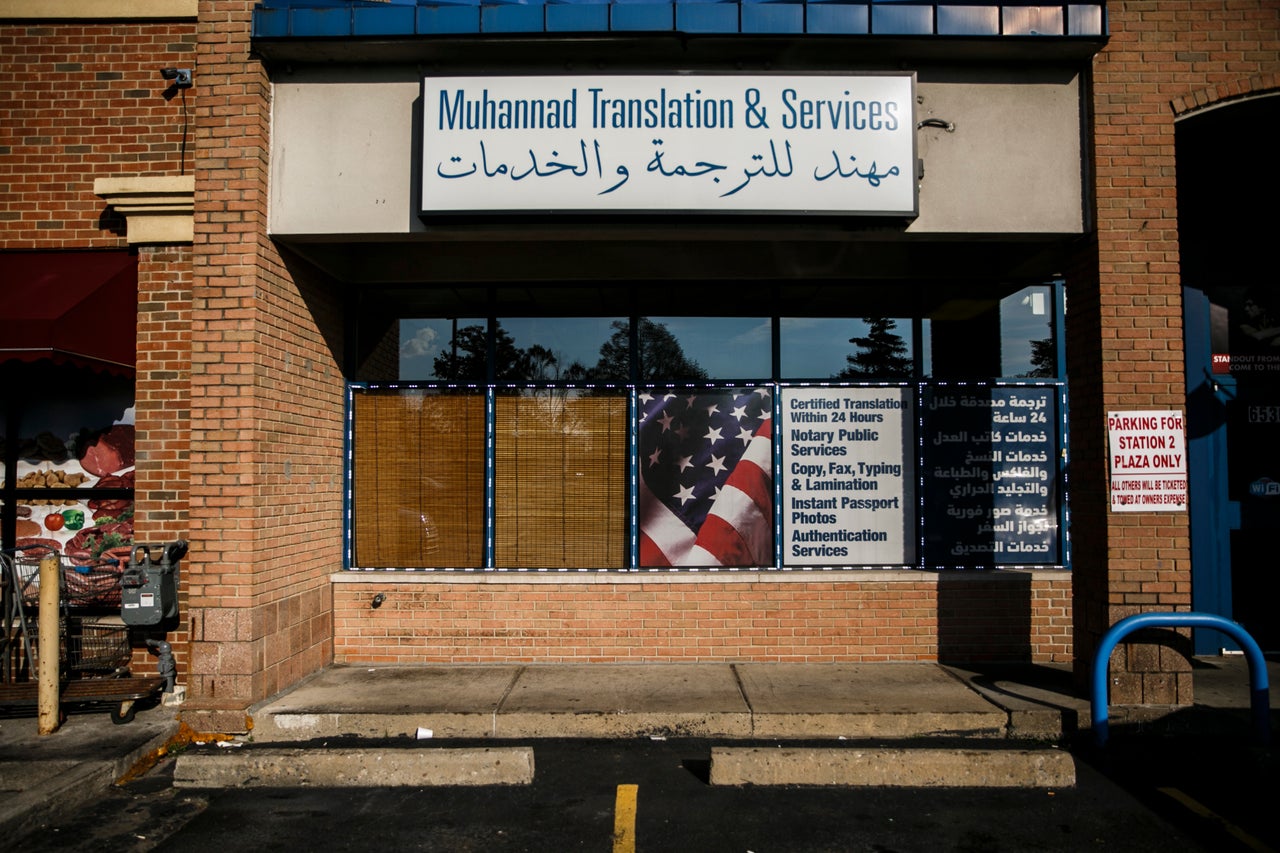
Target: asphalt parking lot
column 648, row 795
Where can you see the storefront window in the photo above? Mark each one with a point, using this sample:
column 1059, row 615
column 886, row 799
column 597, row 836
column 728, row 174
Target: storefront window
column 1026, row 334
column 418, row 477
column 560, row 463
column 445, row 349
column 997, row 334
column 1009, row 335
column 924, row 433
column 568, row 349
column 846, row 349
column 676, row 349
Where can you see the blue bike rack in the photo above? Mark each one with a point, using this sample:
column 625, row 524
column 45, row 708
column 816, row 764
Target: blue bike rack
column 1259, row 690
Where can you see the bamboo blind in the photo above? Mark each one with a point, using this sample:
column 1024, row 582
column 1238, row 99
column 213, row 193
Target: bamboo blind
column 560, row 468
column 418, row 480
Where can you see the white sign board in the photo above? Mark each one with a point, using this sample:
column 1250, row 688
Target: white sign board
column 670, row 143
column 1148, row 461
column 847, row 477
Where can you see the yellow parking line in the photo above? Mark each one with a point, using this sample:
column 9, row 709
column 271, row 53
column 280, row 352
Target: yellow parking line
column 1203, row 811
column 624, row 819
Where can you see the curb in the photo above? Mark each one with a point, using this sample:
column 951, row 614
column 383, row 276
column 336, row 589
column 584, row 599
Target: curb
column 893, row 767
column 286, row 728
column 354, row 768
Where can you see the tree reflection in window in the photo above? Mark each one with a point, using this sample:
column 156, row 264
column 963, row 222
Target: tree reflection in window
column 661, row 358
column 1044, row 360
column 466, row 358
column 881, row 353
column 1028, row 347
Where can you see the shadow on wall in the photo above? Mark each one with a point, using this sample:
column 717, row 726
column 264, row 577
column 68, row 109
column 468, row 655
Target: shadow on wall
column 324, row 298
column 984, row 617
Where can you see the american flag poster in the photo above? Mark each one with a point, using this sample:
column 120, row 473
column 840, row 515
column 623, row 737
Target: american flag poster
column 706, row 477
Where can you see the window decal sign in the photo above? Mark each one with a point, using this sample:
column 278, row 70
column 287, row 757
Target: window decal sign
column 1148, row 461
column 848, row 496
column 670, row 143
column 991, row 475
column 706, row 477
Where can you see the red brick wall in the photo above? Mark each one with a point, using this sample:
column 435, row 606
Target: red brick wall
column 1125, row 321
column 267, row 405
column 163, row 392
column 83, row 101
column 985, row 616
column 162, row 409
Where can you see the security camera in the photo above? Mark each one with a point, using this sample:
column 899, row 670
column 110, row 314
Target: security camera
column 181, row 77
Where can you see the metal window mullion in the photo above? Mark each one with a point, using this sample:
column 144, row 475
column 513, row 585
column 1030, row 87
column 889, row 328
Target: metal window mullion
column 490, row 454
column 633, row 474
column 1064, row 490
column 775, row 355
column 348, row 481
column 917, row 406
column 777, row 467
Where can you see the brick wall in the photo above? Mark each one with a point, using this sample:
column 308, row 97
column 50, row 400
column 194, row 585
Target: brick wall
column 162, row 392
column 266, row 402
column 83, row 101
column 1015, row 616
column 1125, row 321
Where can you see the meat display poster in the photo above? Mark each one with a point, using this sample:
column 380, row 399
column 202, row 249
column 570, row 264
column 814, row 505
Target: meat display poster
column 847, row 489
column 1148, row 461
column 85, row 530
column 991, row 476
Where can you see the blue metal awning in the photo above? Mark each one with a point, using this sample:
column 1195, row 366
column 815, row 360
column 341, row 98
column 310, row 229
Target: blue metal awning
column 360, row 19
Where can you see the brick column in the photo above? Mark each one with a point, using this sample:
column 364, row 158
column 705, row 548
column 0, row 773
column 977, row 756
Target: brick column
column 266, row 407
column 162, row 413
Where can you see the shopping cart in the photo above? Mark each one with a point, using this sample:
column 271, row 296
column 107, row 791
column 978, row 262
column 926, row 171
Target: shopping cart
column 92, row 586
column 93, row 643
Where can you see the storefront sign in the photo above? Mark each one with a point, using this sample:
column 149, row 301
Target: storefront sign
column 990, row 474
column 848, row 475
column 1226, row 363
column 672, row 143
column 1148, row 461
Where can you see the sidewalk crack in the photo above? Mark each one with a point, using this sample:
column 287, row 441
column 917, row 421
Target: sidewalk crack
column 746, row 700
column 497, row 709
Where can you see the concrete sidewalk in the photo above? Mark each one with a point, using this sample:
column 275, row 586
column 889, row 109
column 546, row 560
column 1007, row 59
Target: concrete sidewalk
column 362, row 723
column 917, row 724
column 43, row 777
column 1001, row 728
column 728, row 701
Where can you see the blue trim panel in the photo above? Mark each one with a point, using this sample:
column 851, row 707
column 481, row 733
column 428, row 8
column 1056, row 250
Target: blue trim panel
column 339, row 19
column 642, row 17
column 772, row 18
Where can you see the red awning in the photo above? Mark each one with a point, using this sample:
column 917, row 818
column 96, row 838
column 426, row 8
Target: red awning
column 71, row 307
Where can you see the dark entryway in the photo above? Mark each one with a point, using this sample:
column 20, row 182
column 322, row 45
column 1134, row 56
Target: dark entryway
column 1227, row 186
